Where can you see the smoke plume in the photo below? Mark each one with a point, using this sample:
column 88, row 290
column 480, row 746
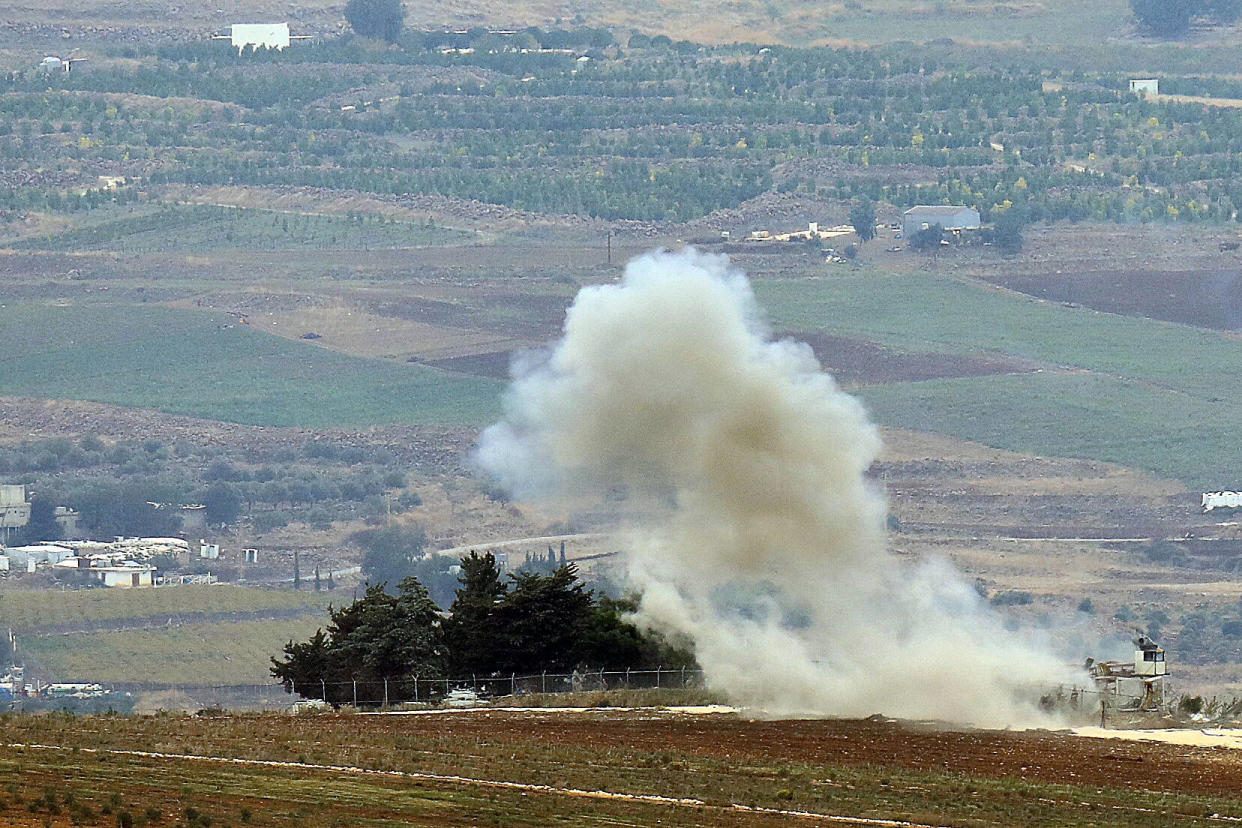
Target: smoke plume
column 760, row 537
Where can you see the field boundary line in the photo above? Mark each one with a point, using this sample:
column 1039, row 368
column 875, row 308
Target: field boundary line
column 529, row 787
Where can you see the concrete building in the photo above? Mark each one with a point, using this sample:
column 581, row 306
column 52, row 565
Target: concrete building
column 109, row 570
column 1145, row 86
column 67, row 520
column 14, row 510
column 951, row 218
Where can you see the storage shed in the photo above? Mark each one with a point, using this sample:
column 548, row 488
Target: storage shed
column 952, row 218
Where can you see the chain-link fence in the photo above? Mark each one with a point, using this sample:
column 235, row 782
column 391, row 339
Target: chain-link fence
column 385, row 692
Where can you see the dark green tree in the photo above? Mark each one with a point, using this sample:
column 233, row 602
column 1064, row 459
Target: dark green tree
column 124, row 510
column 475, row 639
column 382, row 19
column 928, row 238
column 1006, row 233
column 1164, row 18
column 42, row 525
column 862, row 217
column 306, row 667
column 380, row 636
column 223, row 503
column 390, row 553
column 542, row 617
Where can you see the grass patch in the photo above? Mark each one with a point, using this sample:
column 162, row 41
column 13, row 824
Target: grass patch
column 1072, row 415
column 200, row 364
column 1154, row 395
column 203, row 653
column 29, row 610
column 204, row 228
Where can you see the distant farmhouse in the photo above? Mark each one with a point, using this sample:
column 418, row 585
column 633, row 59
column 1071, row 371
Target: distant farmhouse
column 952, row 219
column 1145, row 86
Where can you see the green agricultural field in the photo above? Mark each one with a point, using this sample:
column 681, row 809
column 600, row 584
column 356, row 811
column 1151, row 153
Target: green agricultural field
column 1073, row 415
column 27, row 610
column 203, row 229
column 186, row 362
column 195, row 654
column 1150, row 394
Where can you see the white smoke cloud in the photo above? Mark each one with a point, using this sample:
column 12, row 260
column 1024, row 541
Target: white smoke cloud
column 761, row 538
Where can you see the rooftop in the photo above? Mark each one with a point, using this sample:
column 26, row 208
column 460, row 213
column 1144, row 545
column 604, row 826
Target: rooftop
column 936, row 210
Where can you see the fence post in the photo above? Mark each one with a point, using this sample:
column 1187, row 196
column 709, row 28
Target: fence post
column 683, row 677
column 658, row 676
column 513, row 684
column 415, row 687
column 355, row 692
column 627, row 678
column 602, row 686
column 385, row 691
column 543, row 682
column 324, row 687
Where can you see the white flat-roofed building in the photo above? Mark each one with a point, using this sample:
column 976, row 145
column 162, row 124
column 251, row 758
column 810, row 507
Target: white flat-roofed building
column 951, row 218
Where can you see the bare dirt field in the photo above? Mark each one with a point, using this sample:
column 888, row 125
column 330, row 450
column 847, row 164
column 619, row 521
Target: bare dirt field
column 1209, row 298
column 853, row 361
column 639, row 768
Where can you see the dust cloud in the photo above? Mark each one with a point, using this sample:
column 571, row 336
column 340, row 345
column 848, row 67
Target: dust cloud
column 760, row 537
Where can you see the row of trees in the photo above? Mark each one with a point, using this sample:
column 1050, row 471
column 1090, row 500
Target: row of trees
column 523, row 624
column 653, row 136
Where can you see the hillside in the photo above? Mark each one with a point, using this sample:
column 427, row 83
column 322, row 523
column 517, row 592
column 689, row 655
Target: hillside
column 794, row 22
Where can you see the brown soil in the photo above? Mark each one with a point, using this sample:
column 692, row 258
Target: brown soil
column 1035, row 755
column 857, row 362
column 1210, row 298
column 494, row 365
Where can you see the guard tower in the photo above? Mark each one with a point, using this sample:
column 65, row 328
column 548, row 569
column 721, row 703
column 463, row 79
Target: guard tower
column 1148, row 658
column 1138, row 685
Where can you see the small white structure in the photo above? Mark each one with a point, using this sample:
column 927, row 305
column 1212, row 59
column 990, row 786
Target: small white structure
column 109, row 571
column 1221, row 500
column 259, row 35
column 250, row 556
column 951, row 218
column 123, row 575
column 56, row 63
column 1145, row 86
column 208, row 551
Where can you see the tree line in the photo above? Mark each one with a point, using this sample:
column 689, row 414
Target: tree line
column 525, row 623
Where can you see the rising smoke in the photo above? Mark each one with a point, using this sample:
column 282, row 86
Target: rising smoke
column 761, row 538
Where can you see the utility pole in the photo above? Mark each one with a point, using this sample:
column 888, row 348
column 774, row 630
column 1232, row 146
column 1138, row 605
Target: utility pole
column 609, row 236
column 297, row 571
